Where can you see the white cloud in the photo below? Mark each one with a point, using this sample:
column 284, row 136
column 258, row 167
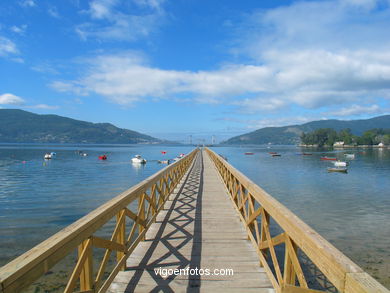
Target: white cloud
column 72, row 87
column 19, row 29
column 10, row 99
column 154, row 4
column 7, row 47
column 27, row 3
column 109, row 21
column 357, row 110
column 310, row 79
column 44, row 107
column 53, row 12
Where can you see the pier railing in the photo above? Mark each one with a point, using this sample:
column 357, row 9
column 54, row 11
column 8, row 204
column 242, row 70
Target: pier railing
column 258, row 210
column 147, row 198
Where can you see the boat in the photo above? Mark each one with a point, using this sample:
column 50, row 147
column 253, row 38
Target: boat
column 276, row 155
column 328, row 159
column 272, row 153
column 138, row 160
column 307, row 154
column 340, row 164
column 163, row 152
column 103, row 158
column 249, row 153
column 338, row 169
column 349, row 156
column 164, row 162
column 47, row 156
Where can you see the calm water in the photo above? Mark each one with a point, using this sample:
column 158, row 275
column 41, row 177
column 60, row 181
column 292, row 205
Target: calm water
column 351, row 210
column 38, row 197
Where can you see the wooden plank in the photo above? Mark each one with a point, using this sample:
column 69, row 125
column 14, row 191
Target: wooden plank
column 108, row 244
column 363, row 283
column 80, row 266
column 294, row 289
column 295, row 262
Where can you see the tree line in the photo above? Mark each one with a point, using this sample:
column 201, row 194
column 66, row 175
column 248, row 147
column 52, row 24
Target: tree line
column 328, row 136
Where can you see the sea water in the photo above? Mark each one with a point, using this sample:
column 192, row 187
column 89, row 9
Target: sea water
column 40, row 197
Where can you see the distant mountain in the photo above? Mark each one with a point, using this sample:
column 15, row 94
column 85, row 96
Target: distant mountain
column 291, row 134
column 23, row 126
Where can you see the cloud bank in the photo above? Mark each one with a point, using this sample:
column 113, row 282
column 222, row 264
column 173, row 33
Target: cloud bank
column 313, row 55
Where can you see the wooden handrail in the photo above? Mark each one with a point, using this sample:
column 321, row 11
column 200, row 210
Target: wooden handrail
column 151, row 194
column 256, row 207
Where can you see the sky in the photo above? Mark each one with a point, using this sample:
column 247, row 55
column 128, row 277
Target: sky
column 172, row 69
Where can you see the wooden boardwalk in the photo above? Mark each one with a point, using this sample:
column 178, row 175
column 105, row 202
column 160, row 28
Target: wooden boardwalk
column 198, row 229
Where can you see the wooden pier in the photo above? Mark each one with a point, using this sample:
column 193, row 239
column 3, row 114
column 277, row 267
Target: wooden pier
column 198, row 228
column 198, row 225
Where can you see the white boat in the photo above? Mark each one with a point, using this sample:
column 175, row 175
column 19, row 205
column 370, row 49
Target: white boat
column 138, row 160
column 349, row 156
column 47, row 156
column 338, row 169
column 340, row 164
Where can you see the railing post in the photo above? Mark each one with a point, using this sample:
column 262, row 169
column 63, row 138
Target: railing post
column 263, row 237
column 86, row 276
column 121, row 237
column 141, row 215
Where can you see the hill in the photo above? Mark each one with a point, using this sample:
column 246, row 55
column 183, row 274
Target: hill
column 22, row 126
column 291, row 134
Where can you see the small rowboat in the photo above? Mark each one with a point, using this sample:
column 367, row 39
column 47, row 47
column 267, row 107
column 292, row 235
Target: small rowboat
column 328, row 159
column 272, row 153
column 342, row 170
column 248, row 153
column 276, row 155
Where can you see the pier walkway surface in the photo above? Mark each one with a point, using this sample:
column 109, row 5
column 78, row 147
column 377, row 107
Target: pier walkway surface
column 197, row 229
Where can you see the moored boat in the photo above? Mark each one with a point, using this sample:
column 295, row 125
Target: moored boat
column 138, row 160
column 349, row 156
column 47, row 156
column 340, row 164
column 103, row 157
column 328, row 158
column 338, row 169
column 249, row 153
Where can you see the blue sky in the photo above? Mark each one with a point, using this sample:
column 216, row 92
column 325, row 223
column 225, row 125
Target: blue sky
column 193, row 67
